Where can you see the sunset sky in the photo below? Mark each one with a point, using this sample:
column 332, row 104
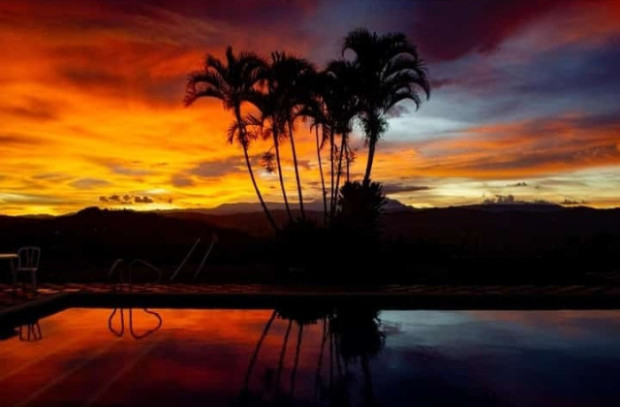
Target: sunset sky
column 525, row 101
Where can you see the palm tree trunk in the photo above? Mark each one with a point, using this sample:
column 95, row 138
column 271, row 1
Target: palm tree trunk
column 249, row 165
column 331, row 158
column 318, row 154
column 257, row 349
column 301, row 198
column 348, row 164
column 342, row 147
column 260, row 196
column 276, row 144
column 371, row 156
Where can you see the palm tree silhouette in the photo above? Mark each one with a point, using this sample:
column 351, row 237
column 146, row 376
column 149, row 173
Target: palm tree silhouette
column 342, row 84
column 314, row 109
column 273, row 127
column 233, row 82
column 391, row 71
column 289, row 90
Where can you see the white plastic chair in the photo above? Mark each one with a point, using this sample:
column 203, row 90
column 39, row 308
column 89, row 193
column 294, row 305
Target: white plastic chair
column 28, row 262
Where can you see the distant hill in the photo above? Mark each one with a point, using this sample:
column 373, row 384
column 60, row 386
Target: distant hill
column 491, row 236
column 93, row 238
column 392, row 205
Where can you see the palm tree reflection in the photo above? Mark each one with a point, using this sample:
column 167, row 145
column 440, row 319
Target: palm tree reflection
column 120, row 331
column 347, row 335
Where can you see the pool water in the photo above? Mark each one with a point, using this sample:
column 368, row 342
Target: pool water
column 355, row 357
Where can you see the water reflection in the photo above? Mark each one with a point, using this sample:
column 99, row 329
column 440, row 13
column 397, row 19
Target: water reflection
column 329, row 357
column 351, row 336
column 120, row 331
column 30, row 331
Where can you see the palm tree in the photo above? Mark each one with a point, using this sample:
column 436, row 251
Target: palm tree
column 314, row 109
column 342, row 84
column 233, row 82
column 289, row 90
column 391, row 71
column 277, row 132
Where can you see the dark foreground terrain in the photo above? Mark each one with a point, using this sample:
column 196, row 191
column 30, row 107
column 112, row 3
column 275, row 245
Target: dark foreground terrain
column 466, row 245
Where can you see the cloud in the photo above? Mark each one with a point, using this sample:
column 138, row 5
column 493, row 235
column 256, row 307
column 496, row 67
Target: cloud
column 447, row 30
column 398, row 110
column 30, row 199
column 89, row 183
column 33, row 109
column 127, row 199
column 181, row 181
column 571, row 202
column 120, row 169
column 52, row 176
column 518, row 184
column 142, row 199
column 400, row 188
column 217, row 168
column 17, row 140
column 93, row 76
column 530, row 147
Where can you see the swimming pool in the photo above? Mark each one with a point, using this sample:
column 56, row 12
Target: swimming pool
column 337, row 357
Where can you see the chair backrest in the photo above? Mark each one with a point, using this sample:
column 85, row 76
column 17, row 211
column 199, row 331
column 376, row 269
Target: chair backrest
column 28, row 257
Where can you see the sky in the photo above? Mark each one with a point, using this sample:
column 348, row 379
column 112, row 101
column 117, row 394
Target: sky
column 524, row 101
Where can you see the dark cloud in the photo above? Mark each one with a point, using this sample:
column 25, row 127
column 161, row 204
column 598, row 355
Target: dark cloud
column 511, row 199
column 537, row 159
column 93, row 76
column 34, row 109
column 217, row 168
column 571, row 71
column 447, row 30
column 571, row 202
column 15, row 139
column 181, row 181
column 399, row 188
column 89, row 183
column 142, row 199
column 126, row 199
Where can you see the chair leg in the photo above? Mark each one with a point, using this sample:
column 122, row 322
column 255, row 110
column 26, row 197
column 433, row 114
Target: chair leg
column 34, row 281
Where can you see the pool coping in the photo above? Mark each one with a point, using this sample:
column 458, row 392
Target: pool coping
column 53, row 303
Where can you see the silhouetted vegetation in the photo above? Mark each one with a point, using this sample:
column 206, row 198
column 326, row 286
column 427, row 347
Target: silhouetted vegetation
column 467, row 245
column 283, row 89
column 349, row 337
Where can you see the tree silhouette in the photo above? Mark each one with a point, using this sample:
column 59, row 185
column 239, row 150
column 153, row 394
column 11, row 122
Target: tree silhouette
column 233, row 82
column 391, row 71
column 339, row 89
column 289, row 83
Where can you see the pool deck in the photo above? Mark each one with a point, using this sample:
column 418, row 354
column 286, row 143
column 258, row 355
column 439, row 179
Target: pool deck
column 51, row 298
